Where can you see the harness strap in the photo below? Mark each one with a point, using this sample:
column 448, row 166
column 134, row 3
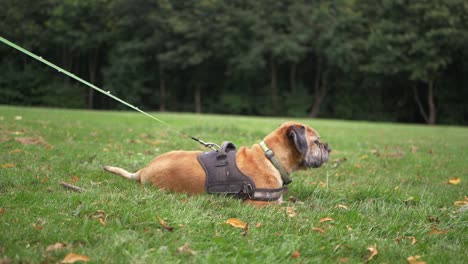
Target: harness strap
column 266, row 194
column 271, row 156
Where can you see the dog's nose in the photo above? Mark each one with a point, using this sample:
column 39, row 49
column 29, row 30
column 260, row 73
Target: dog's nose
column 328, row 148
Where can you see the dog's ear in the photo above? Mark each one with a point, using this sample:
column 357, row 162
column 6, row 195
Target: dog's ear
column 298, row 135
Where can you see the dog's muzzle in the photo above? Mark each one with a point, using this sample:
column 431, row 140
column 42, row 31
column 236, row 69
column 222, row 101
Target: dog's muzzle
column 317, row 156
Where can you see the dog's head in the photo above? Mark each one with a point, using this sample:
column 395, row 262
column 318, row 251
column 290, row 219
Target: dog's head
column 306, row 141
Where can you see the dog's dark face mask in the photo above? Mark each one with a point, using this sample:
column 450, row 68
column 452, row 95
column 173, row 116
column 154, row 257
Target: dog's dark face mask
column 307, row 142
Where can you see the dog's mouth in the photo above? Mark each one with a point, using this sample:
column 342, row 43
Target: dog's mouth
column 316, row 158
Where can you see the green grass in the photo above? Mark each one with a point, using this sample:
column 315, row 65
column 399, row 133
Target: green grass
column 384, row 184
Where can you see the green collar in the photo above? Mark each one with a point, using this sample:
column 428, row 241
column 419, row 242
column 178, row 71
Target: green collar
column 271, row 156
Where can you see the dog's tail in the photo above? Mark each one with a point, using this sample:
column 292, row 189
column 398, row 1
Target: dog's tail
column 123, row 173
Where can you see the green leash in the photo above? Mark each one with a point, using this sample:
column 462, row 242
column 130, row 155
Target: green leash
column 108, row 93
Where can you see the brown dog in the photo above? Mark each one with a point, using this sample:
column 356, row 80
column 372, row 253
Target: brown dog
column 295, row 146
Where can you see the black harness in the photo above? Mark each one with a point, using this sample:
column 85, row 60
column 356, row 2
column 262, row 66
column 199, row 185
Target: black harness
column 224, row 177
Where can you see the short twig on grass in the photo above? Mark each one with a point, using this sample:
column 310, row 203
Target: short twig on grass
column 72, row 187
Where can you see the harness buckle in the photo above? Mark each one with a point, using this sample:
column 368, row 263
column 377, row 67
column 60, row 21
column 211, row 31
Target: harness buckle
column 247, row 190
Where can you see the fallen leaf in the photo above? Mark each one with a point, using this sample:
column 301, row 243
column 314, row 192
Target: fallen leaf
column 349, row 228
column 72, row 258
column 55, row 246
column 454, row 181
column 318, row 230
column 433, row 219
column 373, row 252
column 343, row 260
column 342, row 206
column 74, row 179
column 437, row 231
column 363, row 157
column 165, row 225
column 8, row 165
column 326, row 219
column 415, row 260
column 185, row 249
column 235, row 222
column 44, row 180
column 411, row 238
column 31, row 140
column 462, row 202
column 16, row 151
column 414, row 149
column 322, row 184
column 101, row 221
column 295, row 254
column 359, row 166
column 37, row 227
column 2, row 210
column 292, row 199
column 99, row 214
column 291, row 211
column 258, row 225
column 394, row 155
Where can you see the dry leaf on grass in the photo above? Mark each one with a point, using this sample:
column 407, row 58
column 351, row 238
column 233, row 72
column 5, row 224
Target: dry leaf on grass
column 437, row 231
column 16, row 151
column 101, row 221
column 342, row 206
column 31, row 140
column 74, row 179
column 185, row 249
column 165, row 225
column 373, row 252
column 462, row 202
column 454, row 181
column 2, row 210
column 291, row 211
column 343, row 260
column 411, row 238
column 415, row 260
column 55, row 246
column 318, row 230
column 295, row 254
column 235, row 222
column 8, row 165
column 326, row 219
column 72, row 258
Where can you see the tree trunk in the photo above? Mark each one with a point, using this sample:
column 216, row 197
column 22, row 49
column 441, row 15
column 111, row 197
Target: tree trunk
column 429, row 118
column 162, row 89
column 198, row 107
column 320, row 89
column 431, row 103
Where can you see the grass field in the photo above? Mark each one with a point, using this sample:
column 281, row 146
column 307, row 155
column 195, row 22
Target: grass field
column 384, row 196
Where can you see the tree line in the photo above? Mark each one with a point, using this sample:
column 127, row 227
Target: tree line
column 389, row 60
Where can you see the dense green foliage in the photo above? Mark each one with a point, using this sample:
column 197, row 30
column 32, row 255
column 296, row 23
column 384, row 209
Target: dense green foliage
column 385, row 185
column 392, row 60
